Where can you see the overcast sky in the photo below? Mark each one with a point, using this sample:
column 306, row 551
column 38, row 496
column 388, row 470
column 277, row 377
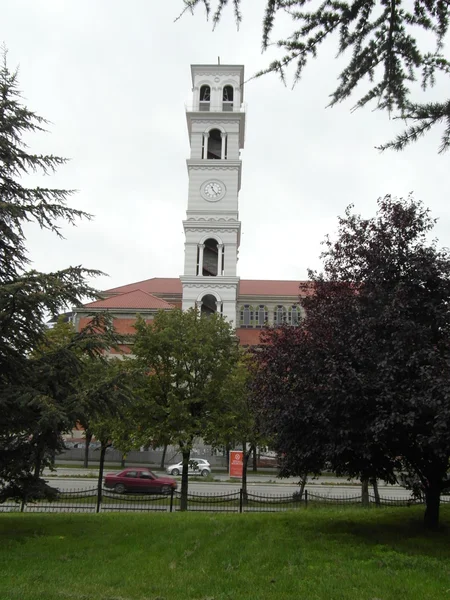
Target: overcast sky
column 113, row 77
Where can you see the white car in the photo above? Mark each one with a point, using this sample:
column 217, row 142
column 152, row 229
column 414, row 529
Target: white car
column 197, row 466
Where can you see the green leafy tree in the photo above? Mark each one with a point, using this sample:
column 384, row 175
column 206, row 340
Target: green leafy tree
column 240, row 424
column 387, row 44
column 107, row 387
column 187, row 360
column 52, row 370
column 58, row 336
column 106, row 395
column 28, row 296
column 70, row 380
column 141, row 424
column 363, row 383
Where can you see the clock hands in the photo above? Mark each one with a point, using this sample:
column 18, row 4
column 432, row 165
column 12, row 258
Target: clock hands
column 213, row 190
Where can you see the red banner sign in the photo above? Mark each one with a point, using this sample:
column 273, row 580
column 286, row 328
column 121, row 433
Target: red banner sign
column 236, row 463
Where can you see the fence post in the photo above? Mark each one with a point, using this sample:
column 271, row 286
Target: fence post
column 241, row 500
column 306, row 498
column 99, row 500
column 171, row 499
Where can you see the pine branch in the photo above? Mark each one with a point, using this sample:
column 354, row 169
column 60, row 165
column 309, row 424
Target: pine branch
column 428, row 116
column 385, row 39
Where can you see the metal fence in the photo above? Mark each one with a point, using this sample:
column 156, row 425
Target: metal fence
column 208, row 502
column 87, row 501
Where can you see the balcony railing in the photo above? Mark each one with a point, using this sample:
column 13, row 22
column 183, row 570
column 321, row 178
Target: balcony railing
column 223, row 107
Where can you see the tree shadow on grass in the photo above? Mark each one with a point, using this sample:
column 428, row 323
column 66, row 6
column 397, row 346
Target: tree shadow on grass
column 402, row 529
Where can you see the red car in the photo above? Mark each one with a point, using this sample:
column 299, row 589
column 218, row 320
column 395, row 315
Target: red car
column 139, row 479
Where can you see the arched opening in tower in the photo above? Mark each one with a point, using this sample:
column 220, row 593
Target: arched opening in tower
column 211, row 258
column 215, row 144
column 205, row 97
column 227, row 98
column 208, row 305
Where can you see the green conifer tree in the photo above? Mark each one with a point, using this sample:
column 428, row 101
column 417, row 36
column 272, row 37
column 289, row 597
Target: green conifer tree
column 27, row 297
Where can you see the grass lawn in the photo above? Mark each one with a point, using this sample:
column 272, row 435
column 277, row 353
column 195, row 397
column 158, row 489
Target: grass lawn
column 316, row 554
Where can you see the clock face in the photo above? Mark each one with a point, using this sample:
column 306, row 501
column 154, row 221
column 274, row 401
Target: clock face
column 213, row 190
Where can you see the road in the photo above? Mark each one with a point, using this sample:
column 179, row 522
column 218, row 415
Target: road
column 256, row 484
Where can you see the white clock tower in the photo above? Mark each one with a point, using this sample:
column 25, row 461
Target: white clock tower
column 216, row 126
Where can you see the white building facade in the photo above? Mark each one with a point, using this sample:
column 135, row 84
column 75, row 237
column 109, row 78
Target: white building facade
column 216, row 127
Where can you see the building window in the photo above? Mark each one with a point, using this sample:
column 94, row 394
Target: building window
column 246, row 316
column 227, row 98
column 261, row 316
column 215, row 144
column 205, row 98
column 294, row 315
column 279, row 315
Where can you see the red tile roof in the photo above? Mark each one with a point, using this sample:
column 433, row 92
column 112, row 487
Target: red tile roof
column 248, row 287
column 269, row 287
column 156, row 285
column 135, row 300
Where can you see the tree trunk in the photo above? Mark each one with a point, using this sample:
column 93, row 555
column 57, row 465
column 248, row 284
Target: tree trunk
column 100, row 474
column 432, row 500
column 245, row 457
column 38, row 460
column 303, row 481
column 37, row 465
column 184, row 480
column 365, row 492
column 376, row 492
column 88, row 439
column 255, row 460
column 227, row 456
column 163, row 459
column 122, row 462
